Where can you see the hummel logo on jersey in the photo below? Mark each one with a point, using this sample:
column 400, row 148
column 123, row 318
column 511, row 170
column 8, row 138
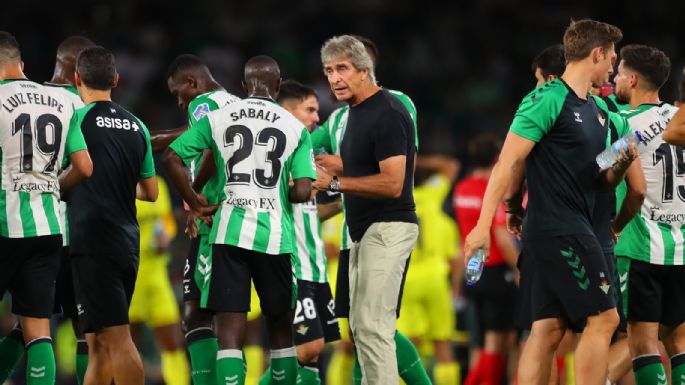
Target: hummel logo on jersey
column 278, row 375
column 623, row 278
column 38, row 372
column 79, row 309
column 112, row 110
column 578, row 119
column 231, row 380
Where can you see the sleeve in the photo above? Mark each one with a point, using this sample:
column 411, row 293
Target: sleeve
column 411, row 108
column 198, row 108
column 148, row 168
column 321, row 138
column 390, row 135
column 537, row 113
column 75, row 141
column 303, row 158
column 621, row 122
column 192, row 142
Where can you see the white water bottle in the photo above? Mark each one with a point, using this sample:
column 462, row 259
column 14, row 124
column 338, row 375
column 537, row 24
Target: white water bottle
column 606, row 158
column 474, row 267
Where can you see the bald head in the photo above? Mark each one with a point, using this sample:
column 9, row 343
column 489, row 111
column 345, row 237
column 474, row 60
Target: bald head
column 262, row 77
column 67, row 52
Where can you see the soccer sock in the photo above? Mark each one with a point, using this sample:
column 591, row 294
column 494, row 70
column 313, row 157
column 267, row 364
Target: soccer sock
column 40, row 363
column 446, row 373
column 265, row 379
column 229, row 367
column 409, row 363
column 11, row 351
column 203, row 347
column 284, row 366
column 81, row 360
column 678, row 369
column 339, row 370
column 308, row 375
column 493, row 368
column 175, row 367
column 254, row 358
column 649, row 370
column 356, row 370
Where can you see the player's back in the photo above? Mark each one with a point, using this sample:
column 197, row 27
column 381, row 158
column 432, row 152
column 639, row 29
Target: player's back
column 35, row 121
column 102, row 216
column 260, row 145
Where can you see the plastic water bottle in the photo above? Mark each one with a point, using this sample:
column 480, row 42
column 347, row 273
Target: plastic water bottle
column 606, row 158
column 474, row 267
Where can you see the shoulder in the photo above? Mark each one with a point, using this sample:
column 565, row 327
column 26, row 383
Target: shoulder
column 403, row 98
column 552, row 92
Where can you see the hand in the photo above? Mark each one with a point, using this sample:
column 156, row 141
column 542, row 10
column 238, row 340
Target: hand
column 191, row 226
column 515, row 223
column 615, row 233
column 332, row 163
column 323, row 179
column 478, row 238
column 626, row 158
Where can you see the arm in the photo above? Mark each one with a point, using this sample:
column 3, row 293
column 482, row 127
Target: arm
column 329, row 210
column 513, row 201
column 635, row 195
column 386, row 184
column 161, row 139
column 331, row 163
column 178, row 177
column 675, row 131
column 80, row 169
column 206, row 171
column 445, row 165
column 147, row 189
column 300, row 191
column 611, row 177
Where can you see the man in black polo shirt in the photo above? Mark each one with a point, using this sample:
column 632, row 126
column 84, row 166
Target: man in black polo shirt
column 105, row 238
column 378, row 162
column 558, row 130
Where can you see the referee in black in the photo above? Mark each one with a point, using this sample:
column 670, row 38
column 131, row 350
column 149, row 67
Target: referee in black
column 105, row 237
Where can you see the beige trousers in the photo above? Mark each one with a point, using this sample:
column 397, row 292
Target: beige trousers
column 377, row 263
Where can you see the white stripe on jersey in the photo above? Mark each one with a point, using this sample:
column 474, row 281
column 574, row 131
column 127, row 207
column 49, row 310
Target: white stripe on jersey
column 301, row 244
column 678, row 238
column 656, row 246
column 318, row 244
column 248, row 231
column 63, row 221
column 14, row 223
column 274, row 245
column 224, row 214
column 41, row 220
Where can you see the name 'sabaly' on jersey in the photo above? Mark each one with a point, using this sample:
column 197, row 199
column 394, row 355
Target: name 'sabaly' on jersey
column 255, row 113
column 22, row 98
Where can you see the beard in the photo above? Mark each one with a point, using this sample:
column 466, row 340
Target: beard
column 622, row 97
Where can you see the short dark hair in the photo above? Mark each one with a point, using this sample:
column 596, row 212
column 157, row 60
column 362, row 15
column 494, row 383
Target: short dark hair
column 650, row 63
column 550, row 61
column 96, row 67
column 681, row 87
column 370, row 46
column 483, row 150
column 183, row 63
column 73, row 45
column 582, row 36
column 294, row 90
column 9, row 49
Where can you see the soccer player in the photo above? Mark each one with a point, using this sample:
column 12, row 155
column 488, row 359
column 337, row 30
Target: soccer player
column 558, row 132
column 258, row 146
column 675, row 132
column 326, row 142
column 378, row 156
column 495, row 295
column 197, row 93
column 650, row 244
column 37, row 137
column 314, row 321
column 154, row 302
column 549, row 64
column 105, row 239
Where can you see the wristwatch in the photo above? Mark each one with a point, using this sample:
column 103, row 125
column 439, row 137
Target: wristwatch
column 334, row 185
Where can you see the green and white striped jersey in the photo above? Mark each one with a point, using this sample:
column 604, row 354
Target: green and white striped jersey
column 309, row 250
column 71, row 93
column 655, row 234
column 38, row 135
column 327, row 139
column 199, row 107
column 258, row 145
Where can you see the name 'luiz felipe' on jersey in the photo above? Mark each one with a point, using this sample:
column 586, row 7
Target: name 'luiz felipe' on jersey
column 35, row 139
column 655, row 234
column 259, row 146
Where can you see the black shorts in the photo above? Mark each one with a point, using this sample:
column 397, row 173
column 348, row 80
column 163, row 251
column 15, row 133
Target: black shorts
column 233, row 270
column 28, row 270
column 566, row 277
column 190, row 290
column 315, row 313
column 494, row 299
column 65, row 301
column 342, row 286
column 104, row 286
column 654, row 293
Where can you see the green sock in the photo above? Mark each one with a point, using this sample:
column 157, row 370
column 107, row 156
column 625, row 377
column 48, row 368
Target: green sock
column 356, row 370
column 265, row 379
column 284, row 366
column 230, row 369
column 308, row 375
column 409, row 363
column 678, row 369
column 40, row 363
column 11, row 351
column 203, row 347
column 81, row 360
column 649, row 370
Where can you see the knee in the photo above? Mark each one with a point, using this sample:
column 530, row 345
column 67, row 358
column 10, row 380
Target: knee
column 605, row 322
column 545, row 337
column 194, row 317
column 309, row 352
column 674, row 344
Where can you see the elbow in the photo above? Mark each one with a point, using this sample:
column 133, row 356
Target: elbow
column 395, row 191
column 86, row 170
column 169, row 158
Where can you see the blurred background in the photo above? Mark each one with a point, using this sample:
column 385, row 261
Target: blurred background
column 465, row 64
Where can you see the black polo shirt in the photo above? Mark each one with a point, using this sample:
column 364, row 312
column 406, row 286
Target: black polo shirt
column 378, row 128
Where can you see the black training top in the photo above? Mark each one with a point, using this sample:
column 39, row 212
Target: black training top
column 102, row 210
column 378, row 128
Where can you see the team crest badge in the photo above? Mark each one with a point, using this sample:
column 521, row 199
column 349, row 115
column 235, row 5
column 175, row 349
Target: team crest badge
column 601, row 119
column 604, row 285
column 200, row 111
